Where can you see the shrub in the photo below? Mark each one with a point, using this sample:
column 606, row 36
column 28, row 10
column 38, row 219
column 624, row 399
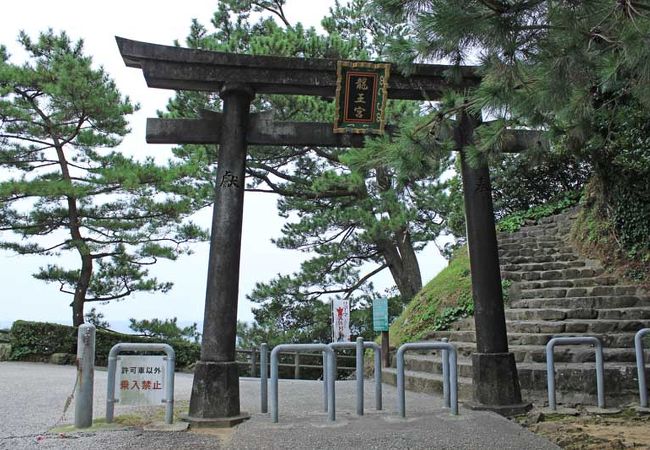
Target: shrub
column 37, row 341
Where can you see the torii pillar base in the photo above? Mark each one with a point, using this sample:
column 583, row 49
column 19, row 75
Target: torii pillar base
column 215, row 396
column 495, row 384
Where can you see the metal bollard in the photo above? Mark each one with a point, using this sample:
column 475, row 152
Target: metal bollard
column 331, row 375
column 378, row 399
column 452, row 374
column 445, row 375
column 325, row 374
column 640, row 366
column 378, row 355
column 550, row 366
column 83, row 413
column 359, row 370
column 264, row 372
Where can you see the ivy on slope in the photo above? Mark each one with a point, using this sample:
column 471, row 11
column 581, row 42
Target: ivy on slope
column 443, row 300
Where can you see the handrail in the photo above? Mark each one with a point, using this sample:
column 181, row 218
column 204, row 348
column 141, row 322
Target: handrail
column 253, row 362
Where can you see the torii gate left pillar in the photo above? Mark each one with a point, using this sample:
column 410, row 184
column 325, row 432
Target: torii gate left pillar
column 215, row 391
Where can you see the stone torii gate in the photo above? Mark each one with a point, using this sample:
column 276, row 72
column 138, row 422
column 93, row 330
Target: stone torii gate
column 237, row 78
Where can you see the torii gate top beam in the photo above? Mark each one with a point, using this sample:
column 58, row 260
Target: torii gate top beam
column 179, row 68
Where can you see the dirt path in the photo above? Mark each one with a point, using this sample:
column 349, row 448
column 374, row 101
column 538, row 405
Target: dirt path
column 592, row 432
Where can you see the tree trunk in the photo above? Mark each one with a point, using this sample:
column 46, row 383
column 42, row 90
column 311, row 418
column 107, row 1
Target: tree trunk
column 398, row 251
column 405, row 271
column 80, row 290
column 74, row 225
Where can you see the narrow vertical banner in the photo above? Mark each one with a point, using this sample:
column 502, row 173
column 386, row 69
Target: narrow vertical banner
column 361, row 97
column 340, row 320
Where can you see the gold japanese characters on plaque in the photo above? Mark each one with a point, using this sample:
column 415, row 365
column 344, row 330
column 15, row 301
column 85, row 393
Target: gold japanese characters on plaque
column 361, row 96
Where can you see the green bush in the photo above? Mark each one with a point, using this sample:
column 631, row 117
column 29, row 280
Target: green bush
column 513, row 222
column 37, row 341
column 522, row 181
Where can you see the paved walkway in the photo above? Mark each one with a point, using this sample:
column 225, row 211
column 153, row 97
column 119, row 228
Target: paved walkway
column 32, row 397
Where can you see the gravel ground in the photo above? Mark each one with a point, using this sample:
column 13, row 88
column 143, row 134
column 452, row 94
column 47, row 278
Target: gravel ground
column 32, row 398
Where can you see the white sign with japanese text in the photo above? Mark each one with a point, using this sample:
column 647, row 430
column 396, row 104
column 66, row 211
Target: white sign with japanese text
column 340, row 320
column 140, row 380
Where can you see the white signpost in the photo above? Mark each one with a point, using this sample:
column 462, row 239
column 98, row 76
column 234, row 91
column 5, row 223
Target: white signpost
column 340, row 320
column 140, row 379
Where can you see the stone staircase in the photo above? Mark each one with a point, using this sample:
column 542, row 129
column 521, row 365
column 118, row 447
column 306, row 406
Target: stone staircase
column 554, row 292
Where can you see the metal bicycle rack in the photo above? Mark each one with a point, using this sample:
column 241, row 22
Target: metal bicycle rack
column 640, row 366
column 360, row 345
column 550, row 366
column 329, row 381
column 449, row 373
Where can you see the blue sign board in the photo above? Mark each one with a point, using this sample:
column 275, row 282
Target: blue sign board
column 380, row 314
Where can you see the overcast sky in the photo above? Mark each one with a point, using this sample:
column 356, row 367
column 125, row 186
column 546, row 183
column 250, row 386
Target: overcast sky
column 161, row 22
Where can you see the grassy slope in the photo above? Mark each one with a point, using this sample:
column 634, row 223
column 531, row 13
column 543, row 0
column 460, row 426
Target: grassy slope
column 450, row 288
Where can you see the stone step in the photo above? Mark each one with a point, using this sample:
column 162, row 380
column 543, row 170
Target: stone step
column 431, row 363
column 620, row 378
column 536, row 231
column 587, row 291
column 550, row 271
column 508, row 239
column 573, row 381
column 507, row 245
column 562, row 353
column 426, row 382
column 587, row 326
column 538, row 258
column 612, row 340
column 604, row 280
column 594, row 302
column 564, row 314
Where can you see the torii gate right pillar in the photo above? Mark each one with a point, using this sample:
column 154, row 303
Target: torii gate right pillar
column 495, row 380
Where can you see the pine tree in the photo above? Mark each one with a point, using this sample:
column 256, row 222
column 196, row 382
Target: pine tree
column 577, row 70
column 66, row 189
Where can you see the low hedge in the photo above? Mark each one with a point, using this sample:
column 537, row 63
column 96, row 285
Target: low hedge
column 37, row 341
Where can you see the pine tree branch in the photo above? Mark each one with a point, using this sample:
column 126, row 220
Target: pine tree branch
column 365, row 278
column 26, row 139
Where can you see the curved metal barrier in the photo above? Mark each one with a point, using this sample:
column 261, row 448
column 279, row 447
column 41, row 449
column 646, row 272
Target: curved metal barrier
column 360, row 345
column 550, row 366
column 449, row 358
column 330, row 379
column 640, row 366
column 169, row 384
